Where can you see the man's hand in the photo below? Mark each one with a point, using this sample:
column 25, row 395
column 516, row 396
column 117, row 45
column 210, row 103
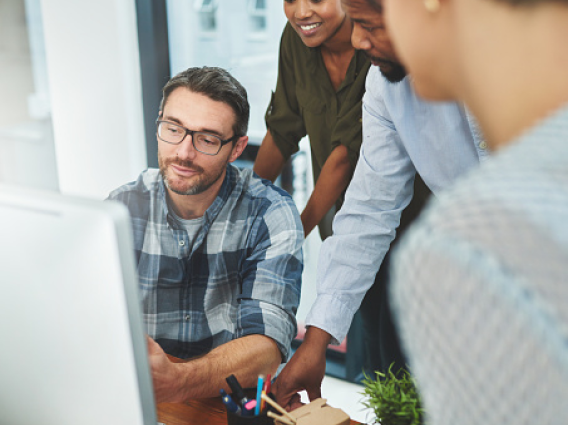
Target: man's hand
column 304, row 371
column 165, row 375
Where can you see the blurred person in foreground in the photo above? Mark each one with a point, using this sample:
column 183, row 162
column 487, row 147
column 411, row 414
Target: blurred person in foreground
column 481, row 281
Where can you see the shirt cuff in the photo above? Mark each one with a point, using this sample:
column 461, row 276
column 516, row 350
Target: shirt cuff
column 330, row 314
column 273, row 322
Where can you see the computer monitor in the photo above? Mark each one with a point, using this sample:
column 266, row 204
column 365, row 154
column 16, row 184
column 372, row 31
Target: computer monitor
column 72, row 345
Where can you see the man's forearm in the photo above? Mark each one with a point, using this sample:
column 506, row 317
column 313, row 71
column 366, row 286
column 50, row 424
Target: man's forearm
column 317, row 339
column 245, row 357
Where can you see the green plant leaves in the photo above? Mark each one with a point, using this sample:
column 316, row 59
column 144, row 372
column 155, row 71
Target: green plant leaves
column 394, row 398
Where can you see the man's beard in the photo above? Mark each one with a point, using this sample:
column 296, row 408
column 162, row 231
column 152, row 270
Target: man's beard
column 202, row 181
column 392, row 71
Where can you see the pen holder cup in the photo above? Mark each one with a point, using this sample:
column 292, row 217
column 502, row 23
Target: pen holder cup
column 261, row 419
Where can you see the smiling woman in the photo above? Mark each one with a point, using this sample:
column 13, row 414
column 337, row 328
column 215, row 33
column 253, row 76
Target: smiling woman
column 318, row 92
column 317, row 22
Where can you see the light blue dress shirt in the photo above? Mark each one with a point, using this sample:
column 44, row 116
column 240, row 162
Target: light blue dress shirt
column 402, row 134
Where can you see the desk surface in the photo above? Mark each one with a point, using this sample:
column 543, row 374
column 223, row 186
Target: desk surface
column 196, row 412
column 210, row 411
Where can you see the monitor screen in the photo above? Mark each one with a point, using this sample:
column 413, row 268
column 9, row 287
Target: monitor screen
column 73, row 349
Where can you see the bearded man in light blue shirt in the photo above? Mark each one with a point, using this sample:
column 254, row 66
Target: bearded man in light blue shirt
column 402, row 136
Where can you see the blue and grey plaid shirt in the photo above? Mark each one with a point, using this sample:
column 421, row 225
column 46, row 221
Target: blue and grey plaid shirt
column 241, row 275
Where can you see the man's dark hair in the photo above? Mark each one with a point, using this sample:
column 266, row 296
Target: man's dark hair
column 217, row 84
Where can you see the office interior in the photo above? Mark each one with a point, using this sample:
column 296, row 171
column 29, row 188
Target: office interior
column 80, row 85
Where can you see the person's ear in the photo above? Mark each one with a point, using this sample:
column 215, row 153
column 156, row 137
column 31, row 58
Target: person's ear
column 238, row 148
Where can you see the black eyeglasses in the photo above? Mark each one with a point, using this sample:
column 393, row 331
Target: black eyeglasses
column 206, row 143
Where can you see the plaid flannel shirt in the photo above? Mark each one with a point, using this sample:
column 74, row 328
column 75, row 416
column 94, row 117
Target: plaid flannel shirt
column 241, row 275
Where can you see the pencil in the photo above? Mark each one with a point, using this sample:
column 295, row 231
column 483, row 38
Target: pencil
column 278, row 407
column 281, row 419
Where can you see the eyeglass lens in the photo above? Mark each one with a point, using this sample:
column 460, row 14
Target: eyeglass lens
column 203, row 142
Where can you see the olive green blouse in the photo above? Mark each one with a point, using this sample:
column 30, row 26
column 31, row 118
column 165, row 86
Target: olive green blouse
column 305, row 102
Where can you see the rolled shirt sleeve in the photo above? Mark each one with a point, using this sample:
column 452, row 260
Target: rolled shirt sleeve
column 271, row 276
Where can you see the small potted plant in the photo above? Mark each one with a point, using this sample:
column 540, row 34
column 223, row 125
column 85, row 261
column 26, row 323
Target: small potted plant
column 394, row 398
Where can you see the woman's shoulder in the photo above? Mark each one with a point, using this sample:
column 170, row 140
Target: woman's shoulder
column 292, row 43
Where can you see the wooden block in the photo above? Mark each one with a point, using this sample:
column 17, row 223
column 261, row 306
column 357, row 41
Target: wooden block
column 319, row 413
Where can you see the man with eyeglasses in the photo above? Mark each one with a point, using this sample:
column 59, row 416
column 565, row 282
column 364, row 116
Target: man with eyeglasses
column 218, row 249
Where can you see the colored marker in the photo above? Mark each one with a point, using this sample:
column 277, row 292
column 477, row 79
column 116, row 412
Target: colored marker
column 237, row 390
column 249, row 408
column 259, row 386
column 265, row 390
column 229, row 403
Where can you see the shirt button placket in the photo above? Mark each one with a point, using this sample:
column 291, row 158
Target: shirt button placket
column 183, row 246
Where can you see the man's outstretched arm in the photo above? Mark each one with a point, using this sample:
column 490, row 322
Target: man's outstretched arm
column 304, row 371
column 246, row 358
column 381, row 188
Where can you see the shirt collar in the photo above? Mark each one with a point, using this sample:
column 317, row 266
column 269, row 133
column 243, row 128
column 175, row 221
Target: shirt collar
column 220, row 200
column 357, row 61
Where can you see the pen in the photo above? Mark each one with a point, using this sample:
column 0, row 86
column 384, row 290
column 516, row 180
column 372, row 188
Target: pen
column 237, row 390
column 229, row 403
column 265, row 390
column 259, row 386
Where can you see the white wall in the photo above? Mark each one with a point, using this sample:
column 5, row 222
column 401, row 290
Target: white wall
column 96, row 99
column 27, row 155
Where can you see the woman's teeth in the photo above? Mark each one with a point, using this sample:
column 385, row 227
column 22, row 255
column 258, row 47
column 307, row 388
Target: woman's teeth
column 309, row 27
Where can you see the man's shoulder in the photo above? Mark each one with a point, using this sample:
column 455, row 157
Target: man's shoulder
column 261, row 198
column 400, row 103
column 261, row 189
column 146, row 182
column 380, row 86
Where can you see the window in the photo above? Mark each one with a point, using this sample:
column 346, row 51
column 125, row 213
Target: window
column 27, row 151
column 207, row 10
column 257, row 15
